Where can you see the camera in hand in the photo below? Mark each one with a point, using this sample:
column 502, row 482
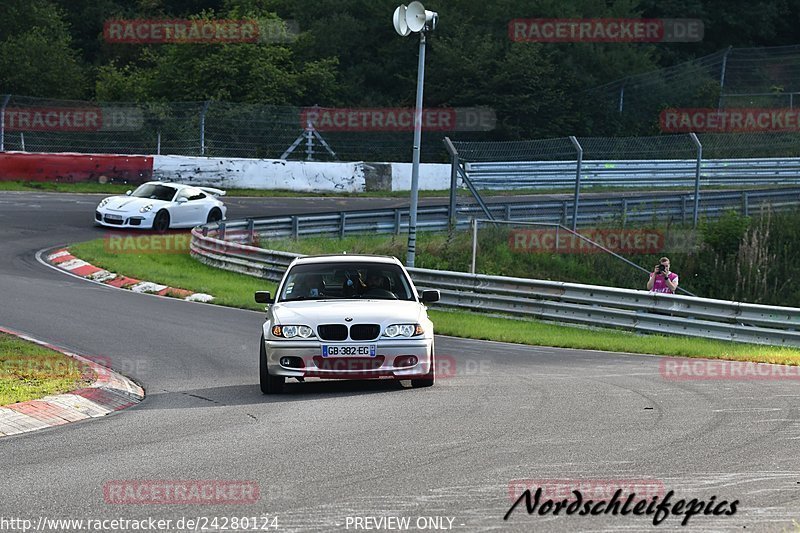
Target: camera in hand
column 662, row 269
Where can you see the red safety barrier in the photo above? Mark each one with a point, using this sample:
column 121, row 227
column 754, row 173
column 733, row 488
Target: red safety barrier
column 70, row 168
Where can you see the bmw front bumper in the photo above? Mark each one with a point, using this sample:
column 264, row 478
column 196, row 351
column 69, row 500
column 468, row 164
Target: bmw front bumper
column 389, row 354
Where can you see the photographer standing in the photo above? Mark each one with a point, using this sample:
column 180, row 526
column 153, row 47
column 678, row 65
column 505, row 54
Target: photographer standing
column 661, row 279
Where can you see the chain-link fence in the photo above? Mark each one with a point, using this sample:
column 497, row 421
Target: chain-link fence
column 220, row 129
column 730, row 78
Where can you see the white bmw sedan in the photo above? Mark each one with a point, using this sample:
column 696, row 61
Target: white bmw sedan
column 346, row 317
column 161, row 206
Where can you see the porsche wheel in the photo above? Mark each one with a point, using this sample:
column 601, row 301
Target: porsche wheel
column 269, row 384
column 215, row 215
column 161, row 222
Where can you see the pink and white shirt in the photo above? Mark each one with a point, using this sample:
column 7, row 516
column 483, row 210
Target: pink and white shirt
column 659, row 285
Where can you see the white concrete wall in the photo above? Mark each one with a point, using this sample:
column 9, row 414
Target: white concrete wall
column 260, row 173
column 432, row 176
column 304, row 176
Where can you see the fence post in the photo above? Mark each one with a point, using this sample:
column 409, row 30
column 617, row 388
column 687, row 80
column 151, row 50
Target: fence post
column 699, row 146
column 621, row 98
column 578, row 166
column 746, row 203
column 158, row 142
column 221, row 234
column 295, row 227
column 454, row 162
column 22, row 141
column 397, row 222
column 6, row 98
column 203, row 127
column 342, row 223
column 722, row 76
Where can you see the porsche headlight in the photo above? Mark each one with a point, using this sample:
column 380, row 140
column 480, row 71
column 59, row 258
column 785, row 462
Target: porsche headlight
column 403, row 330
column 146, row 208
column 104, row 201
column 289, row 332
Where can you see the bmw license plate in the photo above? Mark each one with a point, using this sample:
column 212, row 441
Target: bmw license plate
column 348, row 350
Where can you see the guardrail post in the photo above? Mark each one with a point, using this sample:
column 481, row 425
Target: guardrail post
column 683, row 209
column 250, row 231
column 699, row 146
column 746, row 203
column 563, row 213
column 342, row 223
column 558, row 227
column 578, row 166
column 624, row 212
column 205, row 231
column 397, row 222
column 474, row 244
column 221, row 229
column 295, row 227
column 508, row 211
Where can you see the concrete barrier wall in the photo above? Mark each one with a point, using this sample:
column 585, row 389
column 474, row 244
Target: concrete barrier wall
column 73, row 168
column 226, row 173
column 240, row 173
column 304, row 176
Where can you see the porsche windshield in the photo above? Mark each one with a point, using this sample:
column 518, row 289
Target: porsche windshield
column 324, row 281
column 154, row 192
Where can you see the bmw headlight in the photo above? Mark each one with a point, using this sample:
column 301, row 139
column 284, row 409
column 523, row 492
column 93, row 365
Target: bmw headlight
column 403, row 330
column 104, row 201
column 146, row 208
column 289, row 332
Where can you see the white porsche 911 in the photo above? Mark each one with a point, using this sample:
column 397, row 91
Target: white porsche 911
column 346, row 317
column 160, row 206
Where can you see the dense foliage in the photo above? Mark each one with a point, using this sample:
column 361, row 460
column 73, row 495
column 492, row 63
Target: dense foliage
column 347, row 54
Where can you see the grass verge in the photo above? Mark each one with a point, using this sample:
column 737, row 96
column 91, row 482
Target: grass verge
column 177, row 270
column 29, row 371
column 236, row 290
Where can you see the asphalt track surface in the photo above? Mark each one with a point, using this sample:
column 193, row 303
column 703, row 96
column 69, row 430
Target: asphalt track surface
column 327, row 451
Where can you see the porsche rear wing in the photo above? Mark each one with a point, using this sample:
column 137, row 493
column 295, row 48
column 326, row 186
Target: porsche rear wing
column 211, row 190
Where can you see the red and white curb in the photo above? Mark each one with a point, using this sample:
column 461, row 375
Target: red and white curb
column 108, row 392
column 68, row 262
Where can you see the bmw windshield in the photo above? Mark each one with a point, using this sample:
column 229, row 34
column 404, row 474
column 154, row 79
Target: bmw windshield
column 321, row 281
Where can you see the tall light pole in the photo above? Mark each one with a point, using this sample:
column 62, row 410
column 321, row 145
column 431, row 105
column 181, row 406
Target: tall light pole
column 406, row 20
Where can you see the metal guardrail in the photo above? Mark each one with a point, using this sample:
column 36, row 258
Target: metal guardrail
column 665, row 207
column 233, row 245
column 564, row 302
column 634, row 173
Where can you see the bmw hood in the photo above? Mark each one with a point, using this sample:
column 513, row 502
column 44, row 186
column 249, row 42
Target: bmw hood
column 129, row 204
column 314, row 312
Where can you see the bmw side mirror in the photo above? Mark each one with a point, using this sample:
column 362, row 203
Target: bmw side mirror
column 430, row 296
column 264, row 297
column 128, row 192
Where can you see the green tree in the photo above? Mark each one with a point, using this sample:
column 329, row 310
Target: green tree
column 36, row 53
